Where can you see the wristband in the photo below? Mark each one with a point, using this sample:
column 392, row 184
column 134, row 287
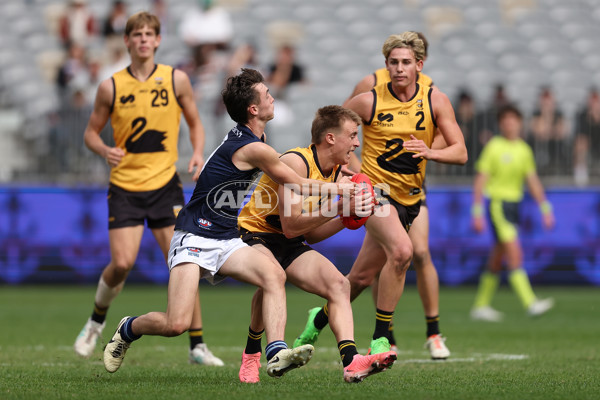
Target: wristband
column 476, row 210
column 545, row 207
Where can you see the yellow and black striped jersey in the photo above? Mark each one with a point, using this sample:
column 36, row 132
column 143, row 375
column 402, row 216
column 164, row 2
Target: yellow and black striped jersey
column 145, row 118
column 382, row 75
column 384, row 160
column 261, row 213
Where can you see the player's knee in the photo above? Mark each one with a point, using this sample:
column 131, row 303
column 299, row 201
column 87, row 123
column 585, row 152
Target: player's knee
column 176, row 328
column 359, row 282
column 339, row 287
column 421, row 257
column 121, row 265
column 275, row 278
column 401, row 257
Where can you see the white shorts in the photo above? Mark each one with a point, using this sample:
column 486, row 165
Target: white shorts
column 208, row 254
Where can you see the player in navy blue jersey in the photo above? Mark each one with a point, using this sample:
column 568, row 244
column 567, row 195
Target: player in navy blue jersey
column 206, row 243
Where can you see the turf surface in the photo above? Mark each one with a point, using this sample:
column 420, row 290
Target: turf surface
column 553, row 357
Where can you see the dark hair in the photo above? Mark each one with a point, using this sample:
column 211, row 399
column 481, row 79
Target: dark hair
column 331, row 118
column 509, row 109
column 240, row 93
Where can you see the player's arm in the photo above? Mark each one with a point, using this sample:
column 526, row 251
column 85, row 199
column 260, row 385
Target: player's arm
column 363, row 86
column 97, row 121
column 294, row 222
column 262, row 156
column 185, row 96
column 477, row 206
column 536, row 189
column 455, row 151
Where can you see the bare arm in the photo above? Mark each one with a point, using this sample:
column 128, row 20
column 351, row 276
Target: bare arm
column 293, row 221
column 363, row 86
column 455, row 151
column 262, row 156
column 185, row 96
column 96, row 123
column 537, row 192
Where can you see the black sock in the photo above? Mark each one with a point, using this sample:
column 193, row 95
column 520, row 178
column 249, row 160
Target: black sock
column 382, row 323
column 99, row 314
column 433, row 325
column 253, row 343
column 322, row 318
column 196, row 337
column 347, row 350
column 391, row 337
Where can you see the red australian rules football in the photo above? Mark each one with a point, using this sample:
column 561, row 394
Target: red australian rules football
column 355, row 222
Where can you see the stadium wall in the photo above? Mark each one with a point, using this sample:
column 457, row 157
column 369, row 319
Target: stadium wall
column 59, row 235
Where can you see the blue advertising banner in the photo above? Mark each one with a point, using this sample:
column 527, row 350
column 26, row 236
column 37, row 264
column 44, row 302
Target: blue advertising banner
column 60, row 235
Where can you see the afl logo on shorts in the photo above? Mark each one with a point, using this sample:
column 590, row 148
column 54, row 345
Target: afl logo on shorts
column 204, row 223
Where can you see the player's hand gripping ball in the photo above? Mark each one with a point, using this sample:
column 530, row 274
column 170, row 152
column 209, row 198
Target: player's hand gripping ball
column 355, row 222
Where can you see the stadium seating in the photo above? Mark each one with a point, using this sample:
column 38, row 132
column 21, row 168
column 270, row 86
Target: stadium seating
column 473, row 44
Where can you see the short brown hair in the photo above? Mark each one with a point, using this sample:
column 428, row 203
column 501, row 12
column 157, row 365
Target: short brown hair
column 330, row 119
column 141, row 19
column 406, row 40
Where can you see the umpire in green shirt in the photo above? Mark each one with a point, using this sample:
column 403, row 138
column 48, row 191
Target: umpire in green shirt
column 506, row 162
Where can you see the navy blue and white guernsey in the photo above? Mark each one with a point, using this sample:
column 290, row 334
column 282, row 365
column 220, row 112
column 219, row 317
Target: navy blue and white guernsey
column 219, row 193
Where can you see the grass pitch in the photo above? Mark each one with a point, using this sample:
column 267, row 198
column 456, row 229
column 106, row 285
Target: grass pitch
column 553, row 357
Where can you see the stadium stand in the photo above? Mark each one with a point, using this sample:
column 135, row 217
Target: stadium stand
column 474, row 46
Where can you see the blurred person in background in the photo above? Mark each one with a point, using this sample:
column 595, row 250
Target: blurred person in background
column 395, row 152
column 549, row 135
column 506, row 162
column 586, row 152
column 284, row 72
column 144, row 103
column 114, row 24
column 77, row 24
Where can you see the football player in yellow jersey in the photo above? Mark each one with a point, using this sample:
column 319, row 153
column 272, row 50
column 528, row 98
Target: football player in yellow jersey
column 401, row 118
column 144, row 102
column 277, row 222
column 504, row 165
column 427, row 276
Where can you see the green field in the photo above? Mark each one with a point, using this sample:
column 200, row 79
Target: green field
column 553, row 357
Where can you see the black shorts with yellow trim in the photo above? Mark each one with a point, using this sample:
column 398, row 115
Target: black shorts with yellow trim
column 284, row 250
column 406, row 214
column 158, row 207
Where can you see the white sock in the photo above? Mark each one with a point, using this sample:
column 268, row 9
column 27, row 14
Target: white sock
column 105, row 294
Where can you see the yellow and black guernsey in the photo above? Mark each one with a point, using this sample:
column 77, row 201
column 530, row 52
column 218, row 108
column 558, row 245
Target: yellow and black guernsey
column 384, row 159
column 382, row 75
column 145, row 119
column 261, row 213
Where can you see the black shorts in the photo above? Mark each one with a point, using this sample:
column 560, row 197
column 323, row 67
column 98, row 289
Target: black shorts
column 285, row 250
column 159, row 207
column 406, row 214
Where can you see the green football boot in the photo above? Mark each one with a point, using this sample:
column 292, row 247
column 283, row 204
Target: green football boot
column 310, row 333
column 380, row 345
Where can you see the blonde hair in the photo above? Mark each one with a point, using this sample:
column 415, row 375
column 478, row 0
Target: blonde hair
column 141, row 19
column 406, row 40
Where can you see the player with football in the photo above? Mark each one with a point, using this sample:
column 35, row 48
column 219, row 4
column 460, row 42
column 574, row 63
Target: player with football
column 277, row 222
column 144, row 102
column 401, row 118
column 206, row 243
